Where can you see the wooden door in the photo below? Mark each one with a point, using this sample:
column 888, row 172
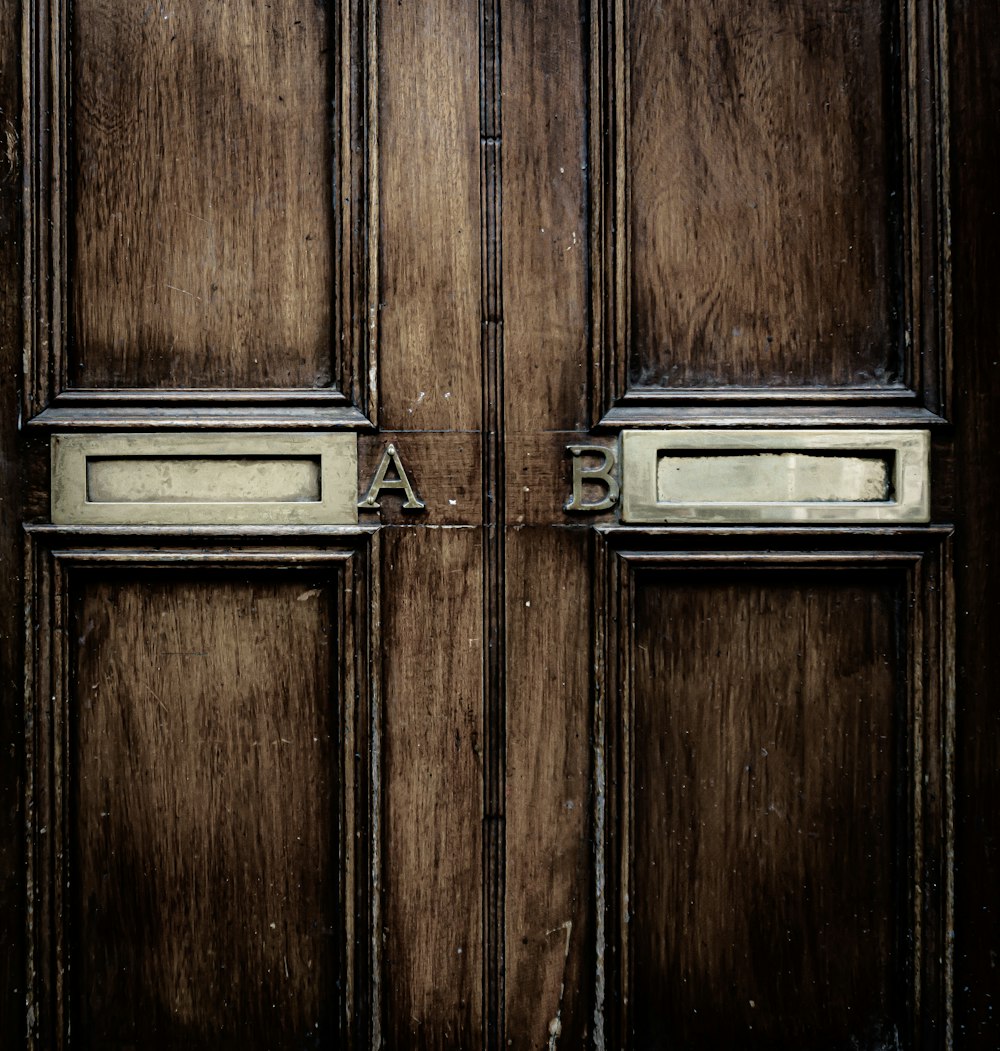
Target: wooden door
column 358, row 689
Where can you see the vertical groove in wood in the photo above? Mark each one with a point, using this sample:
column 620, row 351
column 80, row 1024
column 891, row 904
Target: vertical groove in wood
column 600, row 689
column 947, row 686
column 32, row 610
column 494, row 539
column 62, row 774
column 356, row 165
column 373, row 668
column 370, row 359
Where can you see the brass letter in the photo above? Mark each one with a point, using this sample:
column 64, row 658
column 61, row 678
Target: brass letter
column 401, row 481
column 603, row 475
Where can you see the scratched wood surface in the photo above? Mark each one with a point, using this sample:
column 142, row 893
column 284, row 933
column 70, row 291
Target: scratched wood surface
column 430, row 217
column 432, row 663
column 548, row 902
column 763, row 908
column 202, row 187
column 204, row 766
column 759, row 188
column 762, row 165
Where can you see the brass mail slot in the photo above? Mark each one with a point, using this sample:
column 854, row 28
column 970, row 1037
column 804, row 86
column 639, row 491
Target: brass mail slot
column 733, row 476
column 204, row 479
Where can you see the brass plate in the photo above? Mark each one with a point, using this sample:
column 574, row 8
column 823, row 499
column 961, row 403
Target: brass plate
column 746, row 476
column 204, row 479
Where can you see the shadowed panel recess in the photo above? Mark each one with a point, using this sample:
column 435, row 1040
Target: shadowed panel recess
column 760, row 194
column 202, row 189
column 763, row 912
column 204, row 774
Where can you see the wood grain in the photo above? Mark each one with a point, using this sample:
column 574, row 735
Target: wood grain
column 549, row 903
column 201, row 152
column 205, row 773
column 444, row 468
column 430, row 362
column 547, row 615
column 432, row 664
column 759, row 194
column 763, row 906
column 545, row 234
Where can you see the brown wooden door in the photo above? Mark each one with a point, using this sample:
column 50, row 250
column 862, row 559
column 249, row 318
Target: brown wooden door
column 360, row 690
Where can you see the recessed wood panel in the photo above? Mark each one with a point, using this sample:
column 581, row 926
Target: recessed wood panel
column 201, row 219
column 204, row 800
column 760, row 194
column 763, row 909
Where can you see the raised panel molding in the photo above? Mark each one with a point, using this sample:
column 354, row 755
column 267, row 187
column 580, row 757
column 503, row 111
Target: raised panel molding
column 913, row 562
column 49, row 396
column 917, row 282
column 57, row 561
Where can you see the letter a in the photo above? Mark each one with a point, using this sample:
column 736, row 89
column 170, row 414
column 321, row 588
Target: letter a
column 391, row 458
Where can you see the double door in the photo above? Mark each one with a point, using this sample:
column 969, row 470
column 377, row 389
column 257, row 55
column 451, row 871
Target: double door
column 501, row 501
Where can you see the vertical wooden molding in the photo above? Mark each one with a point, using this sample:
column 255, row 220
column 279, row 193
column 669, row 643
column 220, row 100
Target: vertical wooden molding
column 49, row 776
column 371, row 656
column 917, row 55
column 926, row 279
column 925, row 723
column 357, row 202
column 45, row 128
column 493, row 468
column 601, row 684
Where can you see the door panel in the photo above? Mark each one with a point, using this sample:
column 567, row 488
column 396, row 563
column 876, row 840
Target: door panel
column 543, row 777
column 198, row 890
column 786, row 134
column 201, row 241
column 200, row 749
column 763, row 781
column 802, row 903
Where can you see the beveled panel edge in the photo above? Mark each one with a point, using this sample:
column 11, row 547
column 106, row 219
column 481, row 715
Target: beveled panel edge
column 337, row 453
column 924, row 556
column 48, row 567
column 919, row 56
column 195, row 414
column 769, row 412
column 640, row 451
column 355, row 242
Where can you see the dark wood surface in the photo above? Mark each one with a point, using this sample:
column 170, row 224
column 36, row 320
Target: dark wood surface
column 758, row 207
column 432, row 668
column 975, row 118
column 12, row 874
column 765, row 766
column 513, row 247
column 201, row 251
column 205, row 773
